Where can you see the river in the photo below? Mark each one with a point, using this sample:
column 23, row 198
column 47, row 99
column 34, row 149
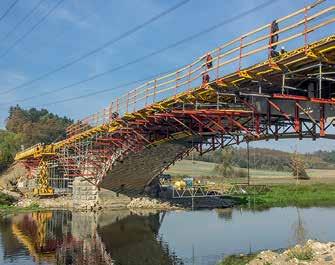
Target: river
column 149, row 237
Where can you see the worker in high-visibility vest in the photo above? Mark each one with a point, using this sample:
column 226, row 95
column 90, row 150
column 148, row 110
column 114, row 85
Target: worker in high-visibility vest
column 205, row 78
column 209, row 65
column 274, row 38
column 209, row 62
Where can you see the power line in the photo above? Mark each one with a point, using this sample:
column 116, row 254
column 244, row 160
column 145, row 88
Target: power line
column 98, row 49
column 107, row 90
column 9, row 33
column 154, row 53
column 19, row 40
column 8, row 10
column 60, row 33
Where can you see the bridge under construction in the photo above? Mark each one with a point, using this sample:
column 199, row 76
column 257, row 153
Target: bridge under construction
column 245, row 90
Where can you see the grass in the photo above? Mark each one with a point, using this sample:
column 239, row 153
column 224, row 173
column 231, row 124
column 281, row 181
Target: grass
column 258, row 176
column 318, row 191
column 297, row 195
column 7, row 205
column 205, row 169
column 5, row 209
column 301, row 253
column 237, row 259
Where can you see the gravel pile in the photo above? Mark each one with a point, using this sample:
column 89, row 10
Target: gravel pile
column 148, row 203
column 62, row 202
column 312, row 253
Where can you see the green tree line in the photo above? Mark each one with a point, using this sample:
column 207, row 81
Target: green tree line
column 268, row 159
column 24, row 128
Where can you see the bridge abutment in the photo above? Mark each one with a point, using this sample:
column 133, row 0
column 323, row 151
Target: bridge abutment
column 87, row 196
column 84, row 193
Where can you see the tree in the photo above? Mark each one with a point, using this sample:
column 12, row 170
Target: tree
column 10, row 143
column 226, row 162
column 298, row 166
column 29, row 127
column 36, row 126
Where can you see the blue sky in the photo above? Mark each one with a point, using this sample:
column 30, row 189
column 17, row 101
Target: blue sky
column 78, row 26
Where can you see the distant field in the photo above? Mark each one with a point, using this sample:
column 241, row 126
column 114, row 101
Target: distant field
column 206, row 169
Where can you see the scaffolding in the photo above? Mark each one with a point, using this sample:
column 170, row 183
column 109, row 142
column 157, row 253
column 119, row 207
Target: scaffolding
column 286, row 95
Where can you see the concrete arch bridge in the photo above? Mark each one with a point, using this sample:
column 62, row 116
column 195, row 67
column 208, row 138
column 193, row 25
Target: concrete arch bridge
column 244, row 90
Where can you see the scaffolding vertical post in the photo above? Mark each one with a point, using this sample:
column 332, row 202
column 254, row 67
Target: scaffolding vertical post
column 320, row 80
column 240, row 55
column 176, row 86
column 322, row 120
column 248, row 162
column 305, row 29
column 127, row 102
column 146, row 95
column 134, row 107
column 218, row 63
column 189, row 76
column 283, row 84
column 155, row 87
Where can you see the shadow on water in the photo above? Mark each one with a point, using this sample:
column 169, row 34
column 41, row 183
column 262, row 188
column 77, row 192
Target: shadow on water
column 150, row 237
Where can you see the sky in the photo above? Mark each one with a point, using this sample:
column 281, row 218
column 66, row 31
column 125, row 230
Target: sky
column 78, row 26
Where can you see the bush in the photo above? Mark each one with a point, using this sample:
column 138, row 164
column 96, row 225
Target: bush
column 6, row 199
column 240, row 173
column 301, row 253
column 231, row 172
column 237, row 259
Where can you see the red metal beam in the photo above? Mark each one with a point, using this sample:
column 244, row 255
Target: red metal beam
column 323, row 100
column 290, row 97
column 238, row 124
column 276, row 107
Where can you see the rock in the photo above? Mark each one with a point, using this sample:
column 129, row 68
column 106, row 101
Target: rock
column 312, row 253
column 148, row 203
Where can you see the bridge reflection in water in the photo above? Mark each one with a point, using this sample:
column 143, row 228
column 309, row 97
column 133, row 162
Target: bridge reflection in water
column 124, row 237
column 64, row 237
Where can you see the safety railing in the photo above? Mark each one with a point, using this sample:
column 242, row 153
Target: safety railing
column 302, row 26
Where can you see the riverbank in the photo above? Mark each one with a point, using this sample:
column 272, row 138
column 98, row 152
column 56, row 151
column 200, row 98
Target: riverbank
column 300, row 195
column 8, row 204
column 66, row 202
column 312, row 253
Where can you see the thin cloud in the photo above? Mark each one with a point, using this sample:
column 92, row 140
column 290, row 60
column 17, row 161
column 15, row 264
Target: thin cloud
column 68, row 16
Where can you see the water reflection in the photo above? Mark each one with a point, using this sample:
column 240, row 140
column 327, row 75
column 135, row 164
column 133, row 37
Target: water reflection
column 126, row 238
column 64, row 237
column 300, row 233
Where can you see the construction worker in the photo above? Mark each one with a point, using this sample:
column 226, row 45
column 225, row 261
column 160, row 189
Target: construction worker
column 282, row 50
column 209, row 65
column 209, row 62
column 115, row 115
column 205, row 78
column 274, row 38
